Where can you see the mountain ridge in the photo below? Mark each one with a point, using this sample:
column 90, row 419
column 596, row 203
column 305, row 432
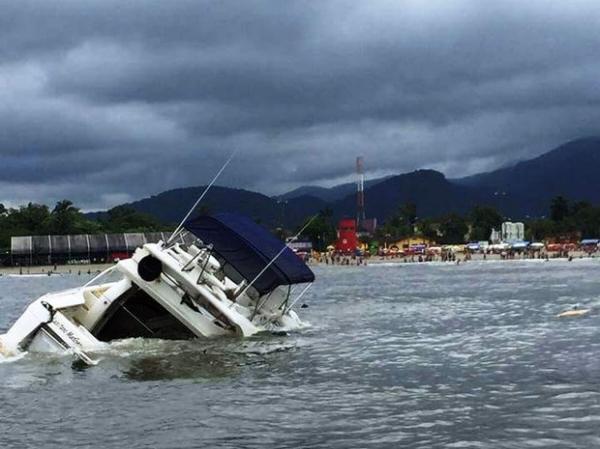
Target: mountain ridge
column 329, row 193
column 522, row 190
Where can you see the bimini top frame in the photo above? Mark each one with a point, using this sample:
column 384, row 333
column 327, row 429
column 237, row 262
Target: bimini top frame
column 249, row 248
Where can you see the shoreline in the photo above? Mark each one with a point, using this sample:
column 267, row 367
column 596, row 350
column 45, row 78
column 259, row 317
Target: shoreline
column 49, row 270
column 479, row 258
column 93, row 269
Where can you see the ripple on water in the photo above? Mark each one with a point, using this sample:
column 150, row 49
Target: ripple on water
column 421, row 356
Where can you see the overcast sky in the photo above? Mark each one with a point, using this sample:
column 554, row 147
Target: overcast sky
column 106, row 101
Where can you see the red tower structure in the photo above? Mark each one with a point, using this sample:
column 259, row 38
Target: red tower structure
column 347, row 241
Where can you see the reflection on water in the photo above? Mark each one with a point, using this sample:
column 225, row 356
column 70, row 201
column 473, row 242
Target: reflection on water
column 198, row 366
column 397, row 356
column 197, row 360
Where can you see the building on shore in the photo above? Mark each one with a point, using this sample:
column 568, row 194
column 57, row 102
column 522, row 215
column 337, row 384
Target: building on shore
column 300, row 246
column 90, row 248
column 347, row 237
column 368, row 226
column 509, row 232
column 495, row 237
column 513, row 231
column 411, row 242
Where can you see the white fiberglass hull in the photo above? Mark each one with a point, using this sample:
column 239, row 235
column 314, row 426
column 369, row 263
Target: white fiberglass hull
column 189, row 295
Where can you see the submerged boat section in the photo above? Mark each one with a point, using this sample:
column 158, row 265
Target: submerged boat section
column 235, row 278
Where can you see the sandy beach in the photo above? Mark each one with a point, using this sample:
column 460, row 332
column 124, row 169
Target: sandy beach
column 85, row 269
column 460, row 258
column 74, row 269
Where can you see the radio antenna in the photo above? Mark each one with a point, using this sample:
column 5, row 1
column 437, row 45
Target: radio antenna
column 200, row 198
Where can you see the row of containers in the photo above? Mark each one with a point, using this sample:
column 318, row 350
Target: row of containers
column 82, row 248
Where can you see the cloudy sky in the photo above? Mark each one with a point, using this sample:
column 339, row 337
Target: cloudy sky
column 108, row 101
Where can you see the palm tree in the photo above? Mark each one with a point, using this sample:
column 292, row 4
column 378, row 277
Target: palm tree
column 64, row 217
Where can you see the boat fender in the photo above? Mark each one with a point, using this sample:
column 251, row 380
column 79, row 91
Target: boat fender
column 149, row 268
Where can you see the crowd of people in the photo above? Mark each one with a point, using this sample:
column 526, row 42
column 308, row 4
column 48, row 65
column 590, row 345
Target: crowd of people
column 358, row 259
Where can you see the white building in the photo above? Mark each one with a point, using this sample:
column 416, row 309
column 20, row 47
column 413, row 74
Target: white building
column 300, row 246
column 512, row 231
column 495, row 237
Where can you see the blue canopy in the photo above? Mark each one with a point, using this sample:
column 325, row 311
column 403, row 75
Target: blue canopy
column 589, row 241
column 249, row 248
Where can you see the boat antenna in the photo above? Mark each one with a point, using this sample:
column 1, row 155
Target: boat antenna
column 278, row 254
column 200, row 198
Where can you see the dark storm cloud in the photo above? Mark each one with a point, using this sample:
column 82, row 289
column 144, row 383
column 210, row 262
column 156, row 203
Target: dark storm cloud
column 106, row 101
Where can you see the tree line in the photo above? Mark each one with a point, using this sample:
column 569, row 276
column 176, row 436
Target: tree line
column 567, row 220
column 447, row 229
column 66, row 218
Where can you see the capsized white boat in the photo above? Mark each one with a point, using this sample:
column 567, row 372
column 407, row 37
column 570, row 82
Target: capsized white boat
column 233, row 278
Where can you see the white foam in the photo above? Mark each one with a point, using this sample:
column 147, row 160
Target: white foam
column 12, row 358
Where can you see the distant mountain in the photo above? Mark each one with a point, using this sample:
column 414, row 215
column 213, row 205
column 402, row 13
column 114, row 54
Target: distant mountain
column 526, row 188
column 172, row 205
column 322, row 193
column 329, row 194
column 430, row 190
column 523, row 189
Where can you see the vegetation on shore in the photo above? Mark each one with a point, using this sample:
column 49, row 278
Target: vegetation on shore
column 447, row 229
column 65, row 218
column 566, row 220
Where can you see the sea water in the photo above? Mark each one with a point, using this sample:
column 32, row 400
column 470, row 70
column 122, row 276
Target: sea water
column 411, row 356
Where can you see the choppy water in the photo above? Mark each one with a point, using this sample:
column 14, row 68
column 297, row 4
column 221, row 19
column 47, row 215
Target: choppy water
column 413, row 356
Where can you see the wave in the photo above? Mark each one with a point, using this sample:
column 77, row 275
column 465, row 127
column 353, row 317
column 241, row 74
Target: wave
column 12, row 358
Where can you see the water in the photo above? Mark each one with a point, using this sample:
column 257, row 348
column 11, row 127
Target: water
column 412, row 356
